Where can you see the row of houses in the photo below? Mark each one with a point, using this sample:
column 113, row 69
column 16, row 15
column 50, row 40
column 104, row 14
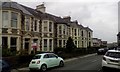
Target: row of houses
column 22, row 26
column 99, row 43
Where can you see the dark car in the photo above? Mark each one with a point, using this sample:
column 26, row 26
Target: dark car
column 102, row 51
column 4, row 66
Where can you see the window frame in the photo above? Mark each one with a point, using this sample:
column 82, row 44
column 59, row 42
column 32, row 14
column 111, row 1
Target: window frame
column 14, row 20
column 7, row 25
column 27, row 23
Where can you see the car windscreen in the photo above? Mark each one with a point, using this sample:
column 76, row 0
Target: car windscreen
column 37, row 57
column 113, row 54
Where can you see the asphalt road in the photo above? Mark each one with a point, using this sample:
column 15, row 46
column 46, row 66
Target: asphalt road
column 85, row 64
column 88, row 63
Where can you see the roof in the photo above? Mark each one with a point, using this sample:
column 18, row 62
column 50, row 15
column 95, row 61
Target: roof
column 113, row 50
column 44, row 53
column 87, row 28
column 74, row 24
column 80, row 26
column 39, row 14
column 15, row 5
column 34, row 12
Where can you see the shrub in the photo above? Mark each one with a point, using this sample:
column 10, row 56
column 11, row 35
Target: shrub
column 70, row 46
column 8, row 52
column 59, row 50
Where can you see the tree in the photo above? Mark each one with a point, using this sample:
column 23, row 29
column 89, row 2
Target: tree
column 70, row 45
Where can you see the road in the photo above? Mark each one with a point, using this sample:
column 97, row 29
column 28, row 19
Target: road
column 84, row 64
column 90, row 63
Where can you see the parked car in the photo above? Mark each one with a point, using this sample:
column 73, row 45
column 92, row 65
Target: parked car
column 102, row 51
column 44, row 61
column 4, row 66
column 117, row 48
column 111, row 59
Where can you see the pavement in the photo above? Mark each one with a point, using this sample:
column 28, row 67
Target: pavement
column 66, row 61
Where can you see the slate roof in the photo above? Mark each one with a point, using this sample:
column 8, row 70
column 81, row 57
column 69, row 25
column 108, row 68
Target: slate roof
column 38, row 14
column 15, row 5
column 87, row 28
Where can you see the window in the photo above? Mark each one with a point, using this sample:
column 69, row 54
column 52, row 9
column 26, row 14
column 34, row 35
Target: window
column 75, row 32
column 60, row 35
column 13, row 44
column 64, row 42
column 37, row 57
column 75, row 37
column 75, row 42
column 46, row 56
column 82, row 44
column 50, row 34
column 89, row 34
column 45, row 44
column 4, row 42
column 60, row 30
column 5, row 19
column 82, row 33
column 89, row 44
column 35, row 25
column 67, row 31
column 113, row 54
column 50, row 43
column 27, row 23
column 14, row 18
column 52, row 56
column 64, row 30
column 32, row 22
column 60, row 43
column 35, row 40
column 45, row 26
column 50, row 26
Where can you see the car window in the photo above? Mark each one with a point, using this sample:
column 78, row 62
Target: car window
column 113, row 54
column 52, row 56
column 46, row 56
column 37, row 57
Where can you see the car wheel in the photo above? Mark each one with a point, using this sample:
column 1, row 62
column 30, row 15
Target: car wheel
column 61, row 64
column 31, row 70
column 43, row 68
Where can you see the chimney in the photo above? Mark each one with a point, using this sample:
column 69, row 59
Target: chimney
column 41, row 8
column 67, row 18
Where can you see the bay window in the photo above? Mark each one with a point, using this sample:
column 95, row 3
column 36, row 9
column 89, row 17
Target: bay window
column 27, row 23
column 14, row 19
column 50, row 26
column 45, row 44
column 35, row 25
column 5, row 19
column 50, row 44
column 45, row 26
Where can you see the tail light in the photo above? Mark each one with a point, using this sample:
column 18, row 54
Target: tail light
column 38, row 62
column 104, row 58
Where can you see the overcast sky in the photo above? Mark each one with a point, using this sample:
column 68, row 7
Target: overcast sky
column 100, row 15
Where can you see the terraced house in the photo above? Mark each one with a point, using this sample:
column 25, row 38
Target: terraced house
column 22, row 27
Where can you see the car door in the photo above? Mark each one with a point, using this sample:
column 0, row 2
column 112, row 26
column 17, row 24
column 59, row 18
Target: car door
column 47, row 60
column 54, row 59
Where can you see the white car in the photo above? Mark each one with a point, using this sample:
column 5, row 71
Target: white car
column 44, row 61
column 111, row 59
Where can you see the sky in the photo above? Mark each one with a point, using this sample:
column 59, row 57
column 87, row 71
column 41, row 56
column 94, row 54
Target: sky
column 99, row 15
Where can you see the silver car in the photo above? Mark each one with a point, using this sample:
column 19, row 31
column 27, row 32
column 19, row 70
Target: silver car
column 111, row 59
